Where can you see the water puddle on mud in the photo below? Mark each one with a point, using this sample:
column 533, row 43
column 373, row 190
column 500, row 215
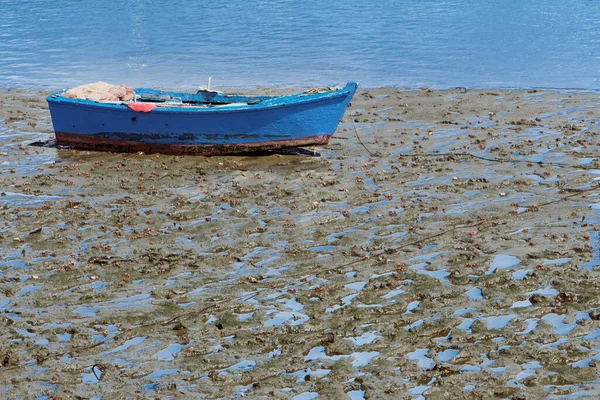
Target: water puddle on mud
column 436, row 273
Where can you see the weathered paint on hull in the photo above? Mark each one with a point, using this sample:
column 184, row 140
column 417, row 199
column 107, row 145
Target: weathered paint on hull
column 85, row 142
column 302, row 119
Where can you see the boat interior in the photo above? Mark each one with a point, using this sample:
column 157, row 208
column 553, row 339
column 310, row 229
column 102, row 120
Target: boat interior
column 201, row 98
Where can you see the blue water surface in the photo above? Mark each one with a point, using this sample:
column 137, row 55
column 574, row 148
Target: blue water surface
column 406, row 43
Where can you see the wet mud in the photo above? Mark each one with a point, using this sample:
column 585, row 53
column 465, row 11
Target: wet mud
column 445, row 243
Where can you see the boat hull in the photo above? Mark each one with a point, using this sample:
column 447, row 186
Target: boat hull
column 88, row 142
column 290, row 121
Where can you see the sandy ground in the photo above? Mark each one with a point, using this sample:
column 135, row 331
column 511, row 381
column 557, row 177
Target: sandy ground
column 452, row 251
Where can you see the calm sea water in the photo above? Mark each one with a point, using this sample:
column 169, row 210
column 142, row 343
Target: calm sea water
column 407, row 43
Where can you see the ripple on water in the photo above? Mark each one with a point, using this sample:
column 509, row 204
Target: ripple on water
column 548, row 291
column 503, row 261
column 159, row 373
column 357, row 286
column 169, row 353
column 303, row 373
column 292, row 304
column 284, row 317
column 469, row 368
column 243, row 317
column 521, row 274
column 595, row 334
column 26, row 333
column 4, row 303
column 556, row 321
column 15, row 264
column 306, row 396
column 419, row 390
column 474, row 294
column 557, row 261
column 595, row 244
column 92, row 375
column 344, row 300
column 360, row 358
column 520, row 377
column 419, row 355
column 18, row 199
column 365, row 338
column 356, row 394
column 464, row 311
column 498, row 322
column 448, row 355
column 426, row 257
column 466, row 324
column 125, row 346
column 521, row 304
column 413, row 305
column 323, row 249
column 244, row 365
column 64, row 337
column 125, row 302
column 441, row 274
column 393, row 293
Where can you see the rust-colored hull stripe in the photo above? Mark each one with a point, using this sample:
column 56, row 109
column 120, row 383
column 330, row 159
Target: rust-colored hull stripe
column 86, row 142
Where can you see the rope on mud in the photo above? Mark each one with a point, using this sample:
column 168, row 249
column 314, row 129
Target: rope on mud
column 498, row 160
column 360, row 141
column 358, row 137
column 576, row 193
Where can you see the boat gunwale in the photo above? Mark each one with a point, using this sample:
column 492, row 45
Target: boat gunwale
column 269, row 104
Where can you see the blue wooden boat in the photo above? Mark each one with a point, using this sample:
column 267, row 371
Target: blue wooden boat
column 205, row 123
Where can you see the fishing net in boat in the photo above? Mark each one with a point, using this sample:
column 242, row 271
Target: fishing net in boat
column 101, row 91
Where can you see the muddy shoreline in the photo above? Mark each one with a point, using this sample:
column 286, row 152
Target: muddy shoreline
column 445, row 243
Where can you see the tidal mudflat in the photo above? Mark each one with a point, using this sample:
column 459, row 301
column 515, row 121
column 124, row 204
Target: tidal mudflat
column 444, row 244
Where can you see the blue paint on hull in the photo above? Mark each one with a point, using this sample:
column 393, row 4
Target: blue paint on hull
column 294, row 118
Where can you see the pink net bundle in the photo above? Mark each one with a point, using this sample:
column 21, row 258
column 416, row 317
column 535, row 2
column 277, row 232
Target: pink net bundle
column 101, row 91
